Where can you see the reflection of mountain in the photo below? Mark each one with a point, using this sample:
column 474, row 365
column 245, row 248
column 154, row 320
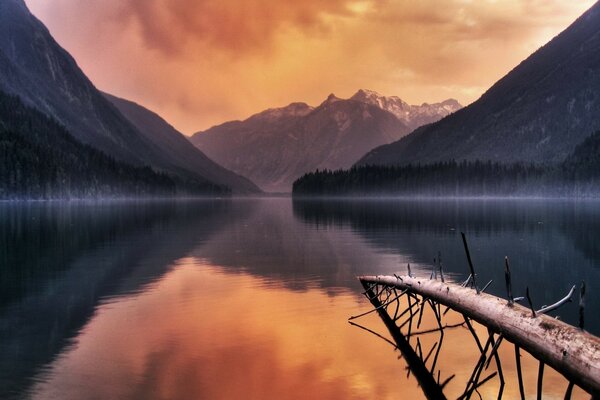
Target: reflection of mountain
column 585, row 239
column 266, row 240
column 60, row 261
column 542, row 240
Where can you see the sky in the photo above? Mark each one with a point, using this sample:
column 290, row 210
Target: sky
column 199, row 63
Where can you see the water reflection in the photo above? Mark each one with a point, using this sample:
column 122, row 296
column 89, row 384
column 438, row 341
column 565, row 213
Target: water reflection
column 222, row 299
column 60, row 260
column 204, row 333
column 438, row 351
column 551, row 244
column 266, row 239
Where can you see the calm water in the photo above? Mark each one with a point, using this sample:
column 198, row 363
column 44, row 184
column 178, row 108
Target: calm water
column 250, row 298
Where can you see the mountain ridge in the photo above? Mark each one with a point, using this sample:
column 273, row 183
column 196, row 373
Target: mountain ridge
column 537, row 112
column 40, row 159
column 34, row 67
column 175, row 144
column 413, row 116
column 301, row 137
column 276, row 146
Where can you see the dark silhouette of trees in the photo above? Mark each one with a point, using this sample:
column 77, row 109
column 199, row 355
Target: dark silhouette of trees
column 577, row 176
column 39, row 159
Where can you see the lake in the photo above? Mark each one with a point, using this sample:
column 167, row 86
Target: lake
column 249, row 298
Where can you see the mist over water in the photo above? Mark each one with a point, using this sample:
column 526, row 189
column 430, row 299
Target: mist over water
column 551, row 244
column 217, row 299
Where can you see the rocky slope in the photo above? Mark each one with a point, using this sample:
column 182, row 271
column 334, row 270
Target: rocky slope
column 413, row 116
column 42, row 74
column 539, row 112
column 176, row 146
column 275, row 147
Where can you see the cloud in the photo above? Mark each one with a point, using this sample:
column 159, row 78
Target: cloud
column 230, row 25
column 201, row 62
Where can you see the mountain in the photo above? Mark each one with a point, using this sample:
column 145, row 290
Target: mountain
column 539, row 112
column 37, row 70
column 413, row 116
column 584, row 162
column 176, row 146
column 577, row 176
column 277, row 146
column 39, row 159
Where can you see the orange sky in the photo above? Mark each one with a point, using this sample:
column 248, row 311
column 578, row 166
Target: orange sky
column 202, row 62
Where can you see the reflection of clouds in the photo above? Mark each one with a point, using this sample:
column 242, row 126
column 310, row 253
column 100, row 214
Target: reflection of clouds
column 203, row 333
column 185, row 58
column 228, row 338
column 223, row 321
column 62, row 259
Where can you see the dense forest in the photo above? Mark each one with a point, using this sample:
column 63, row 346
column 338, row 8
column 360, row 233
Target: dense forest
column 584, row 163
column 39, row 159
column 577, row 176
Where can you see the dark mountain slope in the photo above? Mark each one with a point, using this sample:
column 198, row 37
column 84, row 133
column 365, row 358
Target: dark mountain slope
column 275, row 147
column 36, row 69
column 39, row 159
column 577, row 176
column 538, row 112
column 585, row 160
column 45, row 76
column 177, row 146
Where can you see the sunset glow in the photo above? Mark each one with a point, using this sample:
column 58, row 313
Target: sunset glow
column 299, row 199
column 242, row 343
column 199, row 63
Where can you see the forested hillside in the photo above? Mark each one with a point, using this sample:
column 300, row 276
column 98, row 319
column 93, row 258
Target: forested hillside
column 34, row 67
column 39, row 159
column 578, row 176
column 539, row 112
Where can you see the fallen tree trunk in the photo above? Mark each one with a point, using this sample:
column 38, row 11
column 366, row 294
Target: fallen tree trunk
column 431, row 389
column 569, row 350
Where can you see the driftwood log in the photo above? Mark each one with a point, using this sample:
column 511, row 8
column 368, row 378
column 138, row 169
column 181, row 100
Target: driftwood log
column 569, row 350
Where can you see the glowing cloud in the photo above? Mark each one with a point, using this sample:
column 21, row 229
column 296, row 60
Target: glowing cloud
column 199, row 63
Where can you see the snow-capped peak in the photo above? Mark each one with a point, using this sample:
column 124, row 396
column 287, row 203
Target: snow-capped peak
column 366, row 93
column 412, row 115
